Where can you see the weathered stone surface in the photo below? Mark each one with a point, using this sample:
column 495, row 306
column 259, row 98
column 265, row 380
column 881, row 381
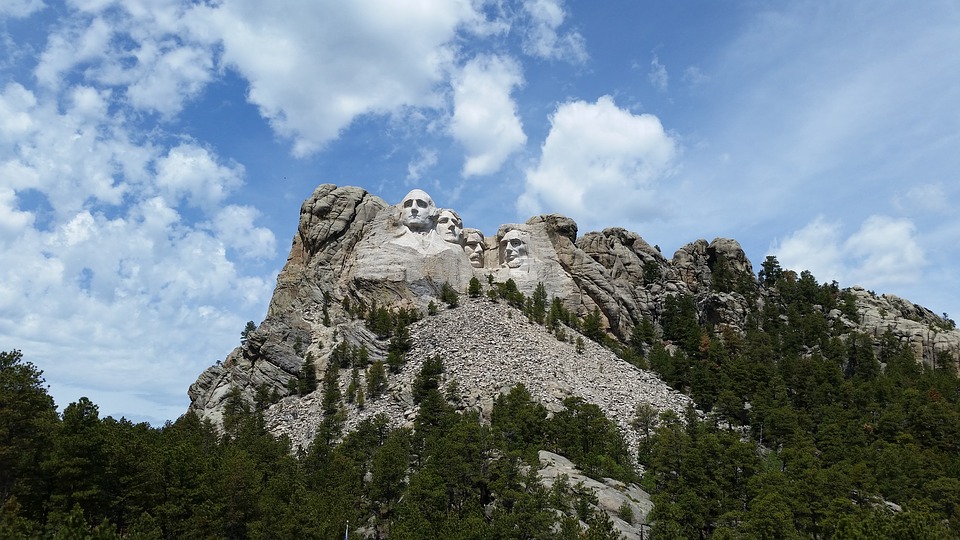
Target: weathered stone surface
column 611, row 267
column 923, row 331
column 611, row 494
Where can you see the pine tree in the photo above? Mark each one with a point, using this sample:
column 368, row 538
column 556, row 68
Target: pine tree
column 354, row 385
column 449, row 296
column 592, row 326
column 28, row 421
column 474, row 290
column 538, row 308
column 307, row 380
column 376, row 379
column 247, row 330
column 428, row 379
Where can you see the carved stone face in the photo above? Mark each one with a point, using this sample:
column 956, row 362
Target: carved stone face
column 514, row 247
column 417, row 211
column 473, row 247
column 450, row 226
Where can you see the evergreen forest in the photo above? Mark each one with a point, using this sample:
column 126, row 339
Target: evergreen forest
column 804, row 431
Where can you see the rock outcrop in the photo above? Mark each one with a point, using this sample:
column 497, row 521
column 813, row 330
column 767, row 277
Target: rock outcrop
column 612, row 496
column 932, row 339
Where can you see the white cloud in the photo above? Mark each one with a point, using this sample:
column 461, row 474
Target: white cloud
column 485, row 117
column 12, row 219
column 170, row 77
column 107, row 303
column 426, row 159
column 20, row 8
column 314, row 67
column 150, row 51
column 77, row 42
column 191, row 172
column 599, row 164
column 884, row 251
column 816, row 247
column 931, row 197
column 16, row 103
column 139, row 246
column 541, row 39
column 88, row 103
column 658, row 76
column 234, row 227
column 68, row 156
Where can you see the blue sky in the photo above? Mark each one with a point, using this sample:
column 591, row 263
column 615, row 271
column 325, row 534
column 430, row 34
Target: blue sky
column 154, row 153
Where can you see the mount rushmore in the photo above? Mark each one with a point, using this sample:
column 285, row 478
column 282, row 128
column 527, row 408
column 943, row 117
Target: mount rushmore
column 352, row 249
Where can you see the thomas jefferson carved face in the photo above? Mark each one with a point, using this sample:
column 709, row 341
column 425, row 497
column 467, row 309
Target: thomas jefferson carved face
column 514, row 247
column 450, row 226
column 473, row 247
column 417, row 211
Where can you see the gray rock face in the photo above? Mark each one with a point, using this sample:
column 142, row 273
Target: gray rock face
column 353, row 248
column 916, row 326
column 612, row 495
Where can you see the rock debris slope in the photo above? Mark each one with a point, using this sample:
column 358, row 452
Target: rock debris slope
column 487, row 348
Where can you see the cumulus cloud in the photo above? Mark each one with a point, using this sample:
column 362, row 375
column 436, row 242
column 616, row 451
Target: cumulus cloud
column 104, row 303
column 816, row 247
column 234, row 226
column 886, row 251
column 190, row 172
column 16, row 102
column 12, row 219
column 599, row 164
column 73, row 44
column 117, row 245
column 67, row 156
column 485, row 117
column 170, row 77
column 883, row 251
column 314, row 67
column 148, row 51
column 541, row 39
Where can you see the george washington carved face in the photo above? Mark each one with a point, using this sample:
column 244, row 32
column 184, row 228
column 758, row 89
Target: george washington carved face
column 417, row 211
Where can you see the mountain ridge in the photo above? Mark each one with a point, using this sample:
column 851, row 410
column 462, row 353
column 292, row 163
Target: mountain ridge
column 352, row 250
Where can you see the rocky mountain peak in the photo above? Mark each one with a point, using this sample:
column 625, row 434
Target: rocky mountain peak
column 354, row 252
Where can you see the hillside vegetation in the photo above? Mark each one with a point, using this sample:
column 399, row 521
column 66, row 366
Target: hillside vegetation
column 808, row 431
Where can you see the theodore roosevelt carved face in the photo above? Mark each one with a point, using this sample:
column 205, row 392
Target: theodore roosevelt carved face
column 450, row 226
column 473, row 247
column 514, row 246
column 417, row 211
